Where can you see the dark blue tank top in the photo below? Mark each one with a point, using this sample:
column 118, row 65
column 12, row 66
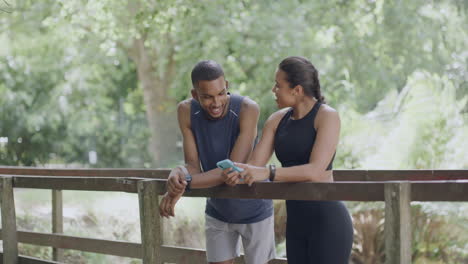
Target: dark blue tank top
column 294, row 139
column 215, row 140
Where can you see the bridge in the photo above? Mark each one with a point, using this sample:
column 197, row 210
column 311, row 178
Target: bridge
column 397, row 188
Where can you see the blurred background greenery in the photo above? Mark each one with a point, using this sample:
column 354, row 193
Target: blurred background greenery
column 96, row 83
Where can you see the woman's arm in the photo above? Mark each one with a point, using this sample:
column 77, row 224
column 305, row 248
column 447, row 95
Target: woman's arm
column 264, row 149
column 327, row 125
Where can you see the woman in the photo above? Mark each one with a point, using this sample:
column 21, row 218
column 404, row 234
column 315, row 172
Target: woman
column 304, row 135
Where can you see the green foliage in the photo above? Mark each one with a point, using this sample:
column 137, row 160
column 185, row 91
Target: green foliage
column 422, row 127
column 29, row 112
column 78, row 81
column 437, row 232
column 71, row 85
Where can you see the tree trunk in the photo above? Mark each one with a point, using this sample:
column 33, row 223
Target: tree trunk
column 162, row 121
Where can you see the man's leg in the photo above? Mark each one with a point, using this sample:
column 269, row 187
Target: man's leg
column 222, row 242
column 258, row 240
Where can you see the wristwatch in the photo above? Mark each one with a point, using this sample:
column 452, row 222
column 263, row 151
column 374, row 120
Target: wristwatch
column 272, row 168
column 188, row 177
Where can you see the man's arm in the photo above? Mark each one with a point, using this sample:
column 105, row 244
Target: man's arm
column 242, row 149
column 248, row 120
column 192, row 160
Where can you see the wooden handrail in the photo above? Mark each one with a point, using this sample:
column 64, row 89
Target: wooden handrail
column 339, row 175
column 412, row 185
column 456, row 190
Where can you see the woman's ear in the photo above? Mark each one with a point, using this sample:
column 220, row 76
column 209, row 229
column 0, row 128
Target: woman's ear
column 298, row 90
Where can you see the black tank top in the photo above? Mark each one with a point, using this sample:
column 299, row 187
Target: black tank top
column 294, row 139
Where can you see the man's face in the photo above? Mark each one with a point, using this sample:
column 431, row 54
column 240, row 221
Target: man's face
column 212, row 96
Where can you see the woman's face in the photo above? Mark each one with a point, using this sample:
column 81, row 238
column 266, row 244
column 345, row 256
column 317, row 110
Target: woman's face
column 282, row 90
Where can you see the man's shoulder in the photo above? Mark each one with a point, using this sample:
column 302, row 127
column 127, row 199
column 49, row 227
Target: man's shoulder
column 183, row 112
column 184, row 106
column 249, row 106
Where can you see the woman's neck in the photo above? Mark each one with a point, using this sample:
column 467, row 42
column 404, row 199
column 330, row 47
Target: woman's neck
column 303, row 107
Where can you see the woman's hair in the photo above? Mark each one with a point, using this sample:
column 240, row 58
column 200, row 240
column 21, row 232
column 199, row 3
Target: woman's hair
column 300, row 71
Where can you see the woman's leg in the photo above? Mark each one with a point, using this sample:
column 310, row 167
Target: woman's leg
column 334, row 239
column 296, row 250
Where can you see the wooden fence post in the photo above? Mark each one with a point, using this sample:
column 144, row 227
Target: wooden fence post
column 57, row 221
column 150, row 221
column 10, row 237
column 397, row 223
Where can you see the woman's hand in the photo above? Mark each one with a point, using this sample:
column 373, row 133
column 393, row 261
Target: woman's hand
column 253, row 174
column 231, row 177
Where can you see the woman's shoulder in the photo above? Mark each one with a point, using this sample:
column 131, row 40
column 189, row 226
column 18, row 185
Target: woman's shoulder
column 326, row 109
column 327, row 113
column 276, row 117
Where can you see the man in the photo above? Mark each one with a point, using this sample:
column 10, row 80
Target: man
column 216, row 125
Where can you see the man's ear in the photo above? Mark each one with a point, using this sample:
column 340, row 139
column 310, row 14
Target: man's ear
column 194, row 94
column 227, row 85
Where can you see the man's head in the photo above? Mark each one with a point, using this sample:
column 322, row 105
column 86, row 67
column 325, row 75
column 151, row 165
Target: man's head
column 210, row 88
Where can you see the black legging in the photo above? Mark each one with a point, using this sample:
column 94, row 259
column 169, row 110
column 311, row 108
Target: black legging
column 318, row 232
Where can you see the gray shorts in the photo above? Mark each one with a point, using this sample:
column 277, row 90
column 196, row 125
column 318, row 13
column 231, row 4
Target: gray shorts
column 223, row 243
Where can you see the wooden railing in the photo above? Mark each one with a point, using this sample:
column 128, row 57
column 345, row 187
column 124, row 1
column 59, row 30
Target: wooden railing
column 396, row 188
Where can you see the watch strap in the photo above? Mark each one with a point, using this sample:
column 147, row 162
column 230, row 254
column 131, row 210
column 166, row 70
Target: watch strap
column 188, row 177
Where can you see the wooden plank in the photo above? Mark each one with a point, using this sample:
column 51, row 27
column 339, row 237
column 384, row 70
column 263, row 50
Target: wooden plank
column 399, row 175
column 57, row 221
column 350, row 175
column 460, row 174
column 76, row 183
column 127, row 173
column 184, row 255
column 29, row 260
column 10, row 241
column 452, row 191
column 348, row 191
column 150, row 221
column 101, row 246
column 340, row 175
column 118, row 248
column 416, row 175
column 397, row 223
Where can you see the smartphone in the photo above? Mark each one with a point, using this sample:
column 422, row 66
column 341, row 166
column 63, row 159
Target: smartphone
column 227, row 163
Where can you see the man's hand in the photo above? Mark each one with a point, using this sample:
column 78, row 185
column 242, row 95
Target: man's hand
column 176, row 182
column 167, row 205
